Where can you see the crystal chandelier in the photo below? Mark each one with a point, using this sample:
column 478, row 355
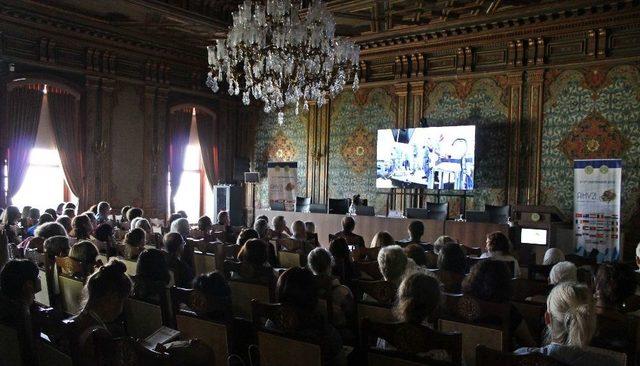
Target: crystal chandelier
column 279, row 58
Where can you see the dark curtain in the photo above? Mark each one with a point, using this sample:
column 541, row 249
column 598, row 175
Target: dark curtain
column 66, row 126
column 179, row 125
column 23, row 115
column 208, row 136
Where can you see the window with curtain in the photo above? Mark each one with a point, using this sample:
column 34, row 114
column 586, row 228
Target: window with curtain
column 194, row 195
column 44, row 184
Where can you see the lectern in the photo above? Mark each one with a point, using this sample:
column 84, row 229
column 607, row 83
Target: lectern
column 538, row 228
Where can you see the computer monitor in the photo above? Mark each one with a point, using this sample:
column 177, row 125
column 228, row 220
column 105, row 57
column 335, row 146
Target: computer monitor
column 533, row 236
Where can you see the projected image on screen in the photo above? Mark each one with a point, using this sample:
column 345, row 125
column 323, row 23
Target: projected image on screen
column 433, row 157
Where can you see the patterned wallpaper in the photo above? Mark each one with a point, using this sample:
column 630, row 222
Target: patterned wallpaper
column 611, row 98
column 281, row 143
column 355, row 120
column 481, row 103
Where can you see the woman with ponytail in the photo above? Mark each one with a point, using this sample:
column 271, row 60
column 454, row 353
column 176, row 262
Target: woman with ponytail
column 571, row 324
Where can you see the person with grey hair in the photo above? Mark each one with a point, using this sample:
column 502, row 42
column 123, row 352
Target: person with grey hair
column 261, row 226
column 104, row 209
column 638, row 258
column 320, row 262
column 65, row 221
column 441, row 242
column 552, row 256
column 152, row 239
column 563, row 272
column 49, row 229
column 392, row 262
column 181, row 226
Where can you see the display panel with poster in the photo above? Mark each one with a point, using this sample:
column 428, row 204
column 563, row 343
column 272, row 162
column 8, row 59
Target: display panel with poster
column 283, row 180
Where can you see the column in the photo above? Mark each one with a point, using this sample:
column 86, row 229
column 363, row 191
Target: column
column 536, row 90
column 514, row 85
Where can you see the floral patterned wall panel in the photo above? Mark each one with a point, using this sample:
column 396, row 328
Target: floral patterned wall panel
column 355, row 120
column 286, row 142
column 590, row 113
column 480, row 103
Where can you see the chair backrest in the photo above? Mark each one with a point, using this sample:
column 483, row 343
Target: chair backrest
column 620, row 357
column 412, row 338
column 276, row 206
column 289, row 259
column 533, row 315
column 473, row 335
column 277, row 349
column 317, row 208
column 486, row 356
column 416, row 213
column 70, row 294
column 339, row 206
column 51, row 356
column 438, row 207
column 365, row 210
column 43, row 297
column 203, row 263
column 211, row 333
column 580, row 261
column 390, row 358
column 131, row 266
column 522, row 288
column 242, row 292
column 472, row 260
column 10, row 350
column 364, row 254
column 142, row 318
column 374, row 312
column 224, row 252
column 539, row 272
column 498, row 214
column 472, row 251
column 302, row 204
column 452, row 281
column 368, row 270
column 383, row 292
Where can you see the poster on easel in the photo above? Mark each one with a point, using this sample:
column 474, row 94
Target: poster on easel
column 282, row 178
column 597, row 191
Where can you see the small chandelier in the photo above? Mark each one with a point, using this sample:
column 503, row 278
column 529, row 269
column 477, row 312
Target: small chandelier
column 279, row 58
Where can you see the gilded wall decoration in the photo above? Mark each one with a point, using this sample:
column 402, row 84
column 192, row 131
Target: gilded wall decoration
column 593, row 138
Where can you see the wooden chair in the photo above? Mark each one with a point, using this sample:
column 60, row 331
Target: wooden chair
column 452, row 281
column 368, row 270
column 412, row 339
column 580, row 261
column 363, row 254
column 70, row 294
column 383, row 292
column 49, row 355
column 533, row 315
column 142, row 318
column 377, row 357
column 471, row 261
column 522, row 288
column 471, row 251
column 226, row 252
column 620, row 357
column 539, row 272
column 290, row 259
column 618, row 332
column 131, row 266
column 10, row 348
column 432, row 259
column 245, row 290
column 43, row 297
column 486, row 356
column 203, row 262
column 36, row 256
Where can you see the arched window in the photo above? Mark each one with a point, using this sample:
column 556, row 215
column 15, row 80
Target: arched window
column 194, row 194
column 44, row 184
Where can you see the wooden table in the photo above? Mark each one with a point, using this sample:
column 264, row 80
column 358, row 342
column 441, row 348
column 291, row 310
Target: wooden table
column 469, row 233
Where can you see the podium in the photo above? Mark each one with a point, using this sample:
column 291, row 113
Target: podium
column 538, row 228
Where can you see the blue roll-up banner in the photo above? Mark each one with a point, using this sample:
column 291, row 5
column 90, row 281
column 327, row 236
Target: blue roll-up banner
column 597, row 191
column 283, row 182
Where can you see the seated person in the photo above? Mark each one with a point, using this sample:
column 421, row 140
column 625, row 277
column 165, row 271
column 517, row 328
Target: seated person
column 104, row 210
column 615, row 283
column 319, row 261
column 441, row 242
column 417, row 254
column 105, row 240
column 280, row 229
column 348, row 225
column 205, row 227
column 499, row 248
column 418, row 297
column 181, row 226
column 85, row 256
column 563, row 272
column 10, row 218
column 452, row 267
column 253, row 256
column 571, row 324
column 133, row 213
column 42, row 233
column 212, row 297
column 225, row 221
column 552, row 256
column 124, row 223
column 69, row 212
column 245, row 235
column 152, row 239
column 152, row 276
column 182, row 272
column 491, row 281
column 81, row 228
column 312, row 236
column 300, row 300
column 382, row 239
column 52, row 212
column 65, row 221
column 134, row 242
column 34, row 219
column 56, row 246
column 416, row 231
column 392, row 263
column 298, row 241
column 261, row 226
column 342, row 267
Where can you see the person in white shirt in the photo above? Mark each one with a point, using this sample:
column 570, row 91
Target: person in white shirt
column 499, row 248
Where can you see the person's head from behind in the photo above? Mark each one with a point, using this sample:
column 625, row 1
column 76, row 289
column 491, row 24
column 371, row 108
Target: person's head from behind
column 382, row 239
column 25, row 212
column 320, row 261
column 298, row 229
column 93, row 209
column 11, row 215
column 57, row 246
column 69, row 212
column 245, row 235
column 60, row 208
column 488, row 280
column 152, row 267
column 182, row 214
column 563, row 272
column 295, row 287
column 552, row 256
column 135, row 238
column 84, row 252
column 142, row 223
column 279, row 224
column 570, row 315
column 104, row 233
column 261, row 226
column 104, row 208
column 418, row 296
column 348, row 224
column 44, row 218
column 92, row 219
column 133, row 213
column 452, row 259
column 223, row 218
column 211, row 293
column 49, row 229
column 123, row 213
column 263, row 217
column 416, row 230
column 310, row 227
column 441, row 242
column 415, row 252
column 34, row 215
column 70, row 205
column 81, row 226
column 181, row 226
column 497, row 242
column 106, row 291
column 638, row 255
column 174, row 243
column 65, row 221
column 392, row 263
column 19, row 281
column 614, row 284
column 204, row 223
column 254, row 252
column 339, row 249
column 52, row 212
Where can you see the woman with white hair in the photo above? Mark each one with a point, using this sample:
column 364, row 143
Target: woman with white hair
column 552, row 256
column 152, row 239
column 563, row 272
column 181, row 226
column 571, row 324
column 392, row 262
